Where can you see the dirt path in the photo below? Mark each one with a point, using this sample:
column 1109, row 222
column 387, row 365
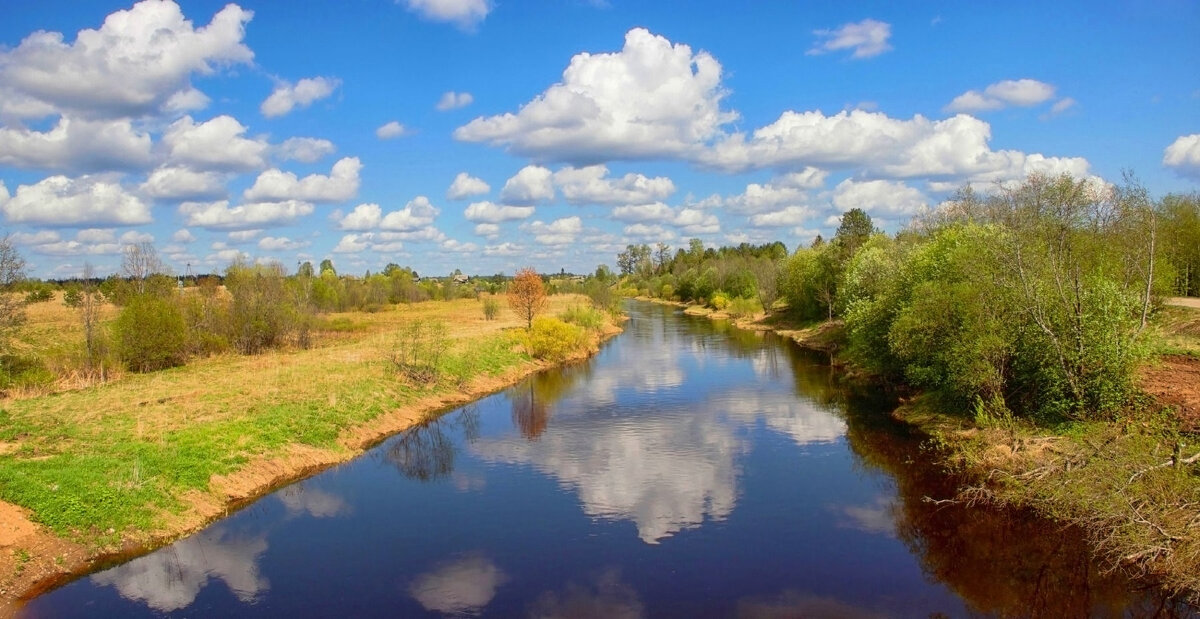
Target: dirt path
column 1184, row 302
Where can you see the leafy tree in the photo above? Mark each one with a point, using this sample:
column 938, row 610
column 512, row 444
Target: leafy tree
column 327, row 265
column 527, row 295
column 151, row 334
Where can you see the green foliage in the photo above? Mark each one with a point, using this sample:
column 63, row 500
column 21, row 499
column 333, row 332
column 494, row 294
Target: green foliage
column 262, row 313
column 73, row 297
column 150, row 334
column 719, row 301
column 739, row 307
column 589, row 318
column 418, row 351
column 39, row 293
column 491, row 308
column 552, row 339
column 24, row 372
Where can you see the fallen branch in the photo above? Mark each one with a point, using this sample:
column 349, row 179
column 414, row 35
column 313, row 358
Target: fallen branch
column 1171, row 462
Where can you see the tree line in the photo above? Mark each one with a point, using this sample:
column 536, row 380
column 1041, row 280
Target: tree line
column 1033, row 299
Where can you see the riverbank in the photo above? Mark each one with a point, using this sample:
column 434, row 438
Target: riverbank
column 1132, row 484
column 95, row 474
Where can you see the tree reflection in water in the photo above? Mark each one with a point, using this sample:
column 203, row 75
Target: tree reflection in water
column 1005, row 562
column 533, row 399
column 426, row 452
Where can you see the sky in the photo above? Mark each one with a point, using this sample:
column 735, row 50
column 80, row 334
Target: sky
column 490, row 135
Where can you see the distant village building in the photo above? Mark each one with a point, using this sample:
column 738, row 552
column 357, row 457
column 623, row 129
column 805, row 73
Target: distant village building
column 460, row 278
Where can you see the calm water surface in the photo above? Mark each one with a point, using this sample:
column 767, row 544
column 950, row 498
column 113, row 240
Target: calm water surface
column 690, row 469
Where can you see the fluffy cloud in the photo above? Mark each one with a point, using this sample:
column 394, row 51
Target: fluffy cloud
column 867, row 38
column 181, row 183
column 466, row 14
column 487, row 231
column 504, row 249
column 788, row 216
column 591, row 185
column 881, row 198
column 277, row 185
column 453, row 100
column 390, row 130
column 652, row 99
column 363, row 217
column 558, row 232
column 956, row 147
column 1023, row 93
column 418, row 213
column 282, row 243
column 655, row 211
column 183, row 235
column 692, row 221
column 138, row 62
column 530, row 185
column 216, row 144
column 465, row 186
column 288, row 96
column 307, row 150
column 462, row 587
column 83, row 201
column 220, row 216
column 1183, row 155
column 488, row 212
column 646, row 231
column 77, row 145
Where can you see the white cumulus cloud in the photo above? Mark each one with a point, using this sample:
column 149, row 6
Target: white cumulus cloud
column 288, row 96
column 558, row 232
column 216, row 144
column 591, row 185
column 1022, row 93
column 489, row 212
column 281, row 243
column 182, row 183
column 307, row 150
column 867, row 38
column 221, row 216
column 277, row 185
column 889, row 199
column 653, row 99
column 1183, row 155
column 466, row 14
column 465, row 186
column 83, row 201
column 530, row 185
column 75, row 144
column 390, row 130
column 140, row 61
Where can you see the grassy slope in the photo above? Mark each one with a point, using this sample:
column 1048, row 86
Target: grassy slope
column 107, row 462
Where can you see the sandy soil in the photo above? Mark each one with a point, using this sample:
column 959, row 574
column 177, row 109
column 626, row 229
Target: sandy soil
column 1176, row 382
column 33, row 560
column 1184, row 302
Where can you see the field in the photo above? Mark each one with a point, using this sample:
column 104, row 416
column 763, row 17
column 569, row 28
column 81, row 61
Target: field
column 87, row 470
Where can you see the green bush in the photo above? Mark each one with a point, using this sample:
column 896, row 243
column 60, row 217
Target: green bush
column 740, row 307
column 418, row 352
column 552, row 339
column 491, row 308
column 23, row 372
column 719, row 301
column 150, row 334
column 586, row 317
column 40, row 294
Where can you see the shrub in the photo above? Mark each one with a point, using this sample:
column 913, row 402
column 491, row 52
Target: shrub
column 151, row 334
column 491, row 308
column 587, row 317
column 719, row 301
column 740, row 306
column 39, row 294
column 668, row 292
column 418, row 352
column 552, row 339
column 23, row 372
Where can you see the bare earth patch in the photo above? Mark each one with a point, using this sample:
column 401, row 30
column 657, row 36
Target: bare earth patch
column 1176, row 382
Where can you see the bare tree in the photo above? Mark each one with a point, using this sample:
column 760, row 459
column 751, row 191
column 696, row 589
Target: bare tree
column 90, row 301
column 766, row 275
column 139, row 261
column 12, row 305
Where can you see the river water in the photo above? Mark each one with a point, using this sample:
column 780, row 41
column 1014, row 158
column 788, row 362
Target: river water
column 690, row 469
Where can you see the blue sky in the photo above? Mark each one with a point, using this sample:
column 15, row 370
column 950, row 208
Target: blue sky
column 487, row 136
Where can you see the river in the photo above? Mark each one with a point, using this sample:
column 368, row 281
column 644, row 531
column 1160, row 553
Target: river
column 690, row 469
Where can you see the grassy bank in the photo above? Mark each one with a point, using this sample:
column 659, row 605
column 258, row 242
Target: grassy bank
column 142, row 459
column 1132, row 484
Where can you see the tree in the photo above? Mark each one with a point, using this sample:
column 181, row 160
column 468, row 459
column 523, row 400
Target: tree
column 766, row 277
column 88, row 303
column 12, row 306
column 855, row 229
column 305, row 269
column 327, row 265
column 139, row 261
column 662, row 255
column 527, row 295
